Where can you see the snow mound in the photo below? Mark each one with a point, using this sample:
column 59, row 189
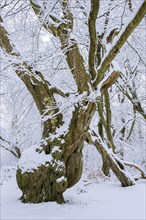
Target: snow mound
column 32, row 159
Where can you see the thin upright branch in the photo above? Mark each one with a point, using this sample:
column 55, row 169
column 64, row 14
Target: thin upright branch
column 93, row 38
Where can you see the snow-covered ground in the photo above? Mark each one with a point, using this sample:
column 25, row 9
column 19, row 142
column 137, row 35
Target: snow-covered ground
column 87, row 200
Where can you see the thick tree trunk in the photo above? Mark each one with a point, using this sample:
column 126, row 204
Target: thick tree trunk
column 41, row 185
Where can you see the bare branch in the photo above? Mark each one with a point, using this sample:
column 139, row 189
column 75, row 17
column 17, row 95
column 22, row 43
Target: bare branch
column 93, row 38
column 109, row 81
column 121, row 39
column 114, row 162
column 133, row 165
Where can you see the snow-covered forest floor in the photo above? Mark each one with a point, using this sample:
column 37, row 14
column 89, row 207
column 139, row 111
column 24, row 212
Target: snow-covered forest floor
column 89, row 199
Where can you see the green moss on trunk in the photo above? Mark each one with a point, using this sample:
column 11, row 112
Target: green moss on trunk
column 41, row 184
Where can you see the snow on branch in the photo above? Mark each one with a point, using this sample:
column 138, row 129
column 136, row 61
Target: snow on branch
column 133, row 165
column 115, row 164
column 119, row 41
column 114, row 160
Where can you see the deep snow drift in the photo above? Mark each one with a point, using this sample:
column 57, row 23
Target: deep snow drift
column 87, row 200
